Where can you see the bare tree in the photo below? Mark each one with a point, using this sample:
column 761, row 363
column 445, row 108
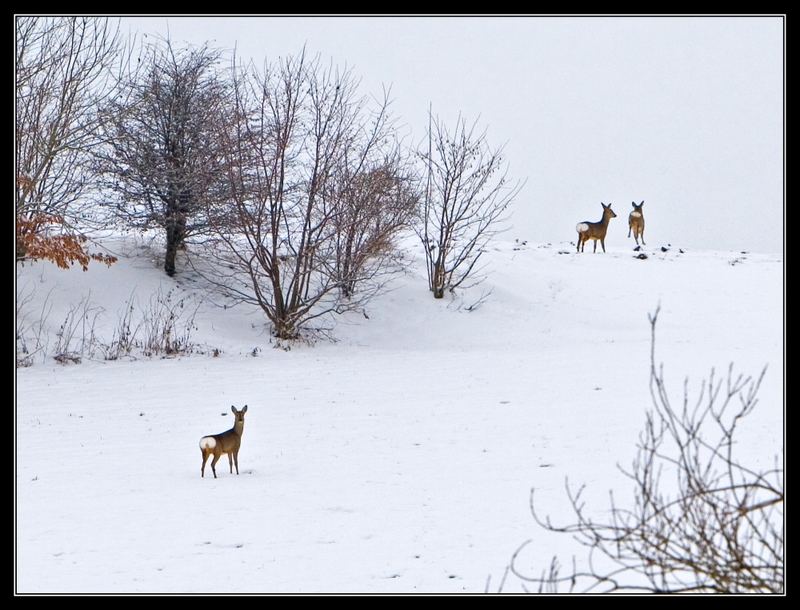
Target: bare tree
column 466, row 198
column 161, row 164
column 717, row 529
column 63, row 71
column 304, row 157
column 373, row 205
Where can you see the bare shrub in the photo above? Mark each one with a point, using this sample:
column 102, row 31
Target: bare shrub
column 166, row 326
column 123, row 340
column 703, row 520
column 316, row 193
column 31, row 334
column 76, row 338
column 373, row 205
column 465, row 203
column 163, row 327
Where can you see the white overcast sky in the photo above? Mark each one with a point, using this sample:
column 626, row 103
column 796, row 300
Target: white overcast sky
column 685, row 113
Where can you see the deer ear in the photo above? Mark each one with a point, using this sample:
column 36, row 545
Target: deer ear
column 233, row 409
column 245, row 409
column 633, row 203
column 641, row 204
column 603, row 204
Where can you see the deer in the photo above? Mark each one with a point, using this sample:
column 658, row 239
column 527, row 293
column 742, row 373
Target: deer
column 225, row 442
column 636, row 223
column 595, row 230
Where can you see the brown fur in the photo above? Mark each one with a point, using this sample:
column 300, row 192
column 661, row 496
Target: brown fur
column 227, row 442
column 596, row 230
column 636, row 223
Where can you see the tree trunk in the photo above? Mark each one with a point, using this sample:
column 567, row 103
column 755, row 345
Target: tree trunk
column 438, row 281
column 175, row 234
column 176, row 231
column 284, row 330
column 172, row 250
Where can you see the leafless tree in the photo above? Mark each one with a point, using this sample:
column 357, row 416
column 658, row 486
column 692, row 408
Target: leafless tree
column 465, row 202
column 717, row 527
column 161, row 163
column 306, row 159
column 64, row 69
column 373, row 205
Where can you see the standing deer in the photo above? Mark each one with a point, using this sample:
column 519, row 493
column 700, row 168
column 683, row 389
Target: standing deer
column 225, row 442
column 595, row 230
column 636, row 222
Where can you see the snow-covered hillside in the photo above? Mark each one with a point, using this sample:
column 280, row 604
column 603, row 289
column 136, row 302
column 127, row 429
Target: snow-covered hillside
column 397, row 458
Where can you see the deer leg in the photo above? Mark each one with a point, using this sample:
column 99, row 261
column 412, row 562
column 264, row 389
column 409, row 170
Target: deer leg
column 203, row 467
column 236, row 460
column 214, row 463
column 602, row 243
column 595, row 247
column 230, row 461
column 641, row 234
column 629, row 231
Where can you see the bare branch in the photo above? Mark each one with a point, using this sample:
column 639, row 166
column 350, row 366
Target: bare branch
column 64, row 69
column 717, row 527
column 465, row 204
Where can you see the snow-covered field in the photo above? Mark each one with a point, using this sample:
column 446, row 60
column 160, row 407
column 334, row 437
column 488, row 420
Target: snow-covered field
column 399, row 458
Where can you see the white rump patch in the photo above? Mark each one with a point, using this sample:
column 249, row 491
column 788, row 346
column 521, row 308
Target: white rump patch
column 208, row 442
column 582, row 227
column 636, row 214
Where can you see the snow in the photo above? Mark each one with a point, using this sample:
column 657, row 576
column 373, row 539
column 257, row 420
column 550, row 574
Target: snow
column 399, row 457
